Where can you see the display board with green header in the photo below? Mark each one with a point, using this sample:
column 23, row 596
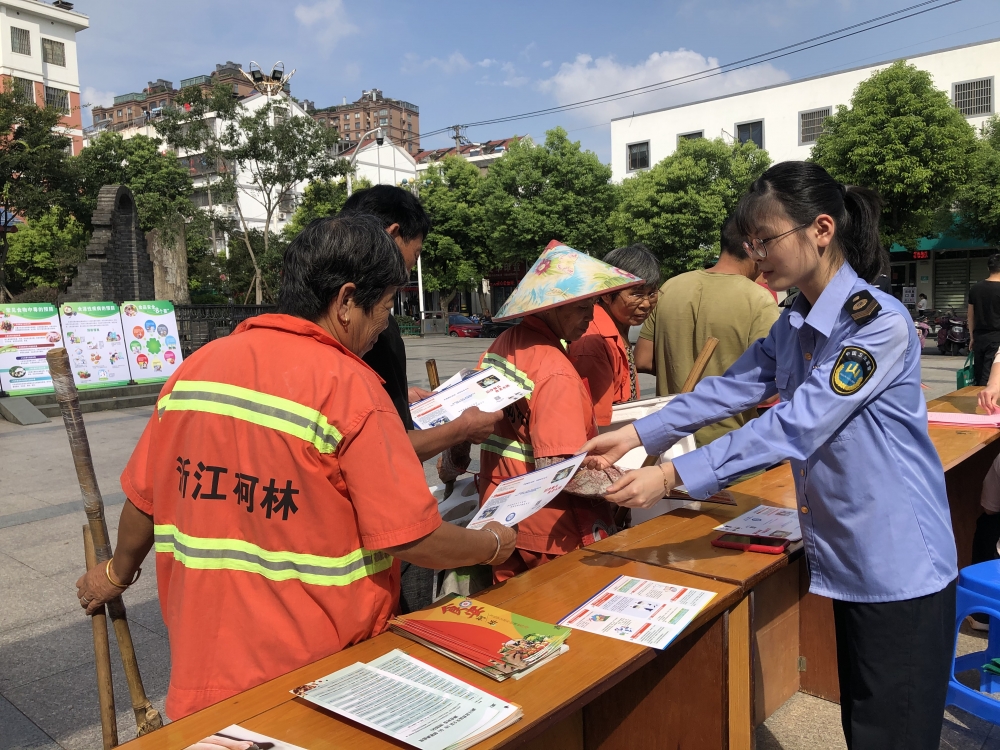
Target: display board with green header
column 27, row 332
column 95, row 343
column 154, row 350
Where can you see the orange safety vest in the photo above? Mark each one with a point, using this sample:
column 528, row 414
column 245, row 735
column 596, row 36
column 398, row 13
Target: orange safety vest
column 275, row 468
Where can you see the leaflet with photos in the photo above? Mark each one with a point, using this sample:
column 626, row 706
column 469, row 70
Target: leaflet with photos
column 517, row 498
column 637, row 610
column 487, row 389
column 766, row 521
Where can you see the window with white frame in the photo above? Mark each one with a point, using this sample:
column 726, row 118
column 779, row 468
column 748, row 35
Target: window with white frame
column 974, row 98
column 638, row 156
column 20, row 41
column 752, row 132
column 24, row 90
column 811, row 124
column 57, row 99
column 383, row 121
column 53, row 52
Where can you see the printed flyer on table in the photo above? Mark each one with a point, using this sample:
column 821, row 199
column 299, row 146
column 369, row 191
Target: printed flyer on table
column 95, row 343
column 27, row 332
column 151, row 332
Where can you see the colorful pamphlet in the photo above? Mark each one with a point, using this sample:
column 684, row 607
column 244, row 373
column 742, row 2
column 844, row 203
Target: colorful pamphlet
column 490, row 640
column 766, row 521
column 153, row 345
column 27, row 332
column 487, row 389
column 95, row 343
column 235, row 736
column 412, row 702
column 636, row 610
column 517, row 498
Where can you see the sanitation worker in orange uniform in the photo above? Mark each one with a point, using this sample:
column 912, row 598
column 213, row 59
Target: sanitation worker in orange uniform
column 278, row 484
column 556, row 300
column 603, row 355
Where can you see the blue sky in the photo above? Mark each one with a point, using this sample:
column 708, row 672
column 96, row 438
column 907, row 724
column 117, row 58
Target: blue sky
column 462, row 62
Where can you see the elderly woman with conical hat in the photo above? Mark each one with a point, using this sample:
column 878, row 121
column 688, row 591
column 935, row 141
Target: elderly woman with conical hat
column 556, row 301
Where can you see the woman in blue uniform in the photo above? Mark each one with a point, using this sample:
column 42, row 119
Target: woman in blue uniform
column 853, row 423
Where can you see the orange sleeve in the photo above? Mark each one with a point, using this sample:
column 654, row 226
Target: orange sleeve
column 137, row 479
column 386, row 484
column 592, row 360
column 561, row 419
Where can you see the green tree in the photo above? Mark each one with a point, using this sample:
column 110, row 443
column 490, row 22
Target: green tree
column 45, row 251
column 979, row 197
column 454, row 255
column 262, row 154
column 34, row 171
column 534, row 194
column 901, row 136
column 321, row 198
column 162, row 188
column 678, row 207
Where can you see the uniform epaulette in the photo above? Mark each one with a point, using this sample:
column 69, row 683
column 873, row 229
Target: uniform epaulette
column 862, row 307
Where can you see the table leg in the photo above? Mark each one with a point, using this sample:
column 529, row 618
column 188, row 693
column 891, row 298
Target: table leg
column 740, row 675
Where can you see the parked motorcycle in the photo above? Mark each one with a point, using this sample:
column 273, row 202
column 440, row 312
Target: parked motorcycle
column 923, row 330
column 953, row 335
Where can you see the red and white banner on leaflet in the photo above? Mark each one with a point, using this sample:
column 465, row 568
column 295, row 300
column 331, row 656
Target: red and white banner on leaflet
column 27, row 332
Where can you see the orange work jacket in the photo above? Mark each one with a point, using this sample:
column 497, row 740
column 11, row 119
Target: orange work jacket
column 601, row 358
column 275, row 468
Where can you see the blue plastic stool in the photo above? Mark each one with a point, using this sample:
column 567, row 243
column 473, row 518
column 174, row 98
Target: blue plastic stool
column 978, row 592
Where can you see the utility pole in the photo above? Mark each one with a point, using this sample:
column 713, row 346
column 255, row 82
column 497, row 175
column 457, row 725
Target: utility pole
column 458, row 134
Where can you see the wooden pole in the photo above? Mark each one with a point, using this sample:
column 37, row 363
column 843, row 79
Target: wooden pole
column 102, row 658
column 432, row 374
column 697, row 370
column 147, row 718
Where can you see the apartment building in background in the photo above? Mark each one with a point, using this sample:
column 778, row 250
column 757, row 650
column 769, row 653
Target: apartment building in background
column 399, row 120
column 480, row 154
column 787, row 118
column 38, row 57
column 138, row 109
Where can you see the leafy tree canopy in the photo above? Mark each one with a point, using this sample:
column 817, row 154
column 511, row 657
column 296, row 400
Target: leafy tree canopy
column 678, row 207
column 979, row 197
column 162, row 187
column 321, row 198
column 901, row 136
column 536, row 193
column 45, row 251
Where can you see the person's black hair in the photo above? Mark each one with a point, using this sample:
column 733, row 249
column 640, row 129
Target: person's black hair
column 334, row 251
column 731, row 240
column 805, row 190
column 994, row 263
column 637, row 260
column 922, row 295
column 392, row 205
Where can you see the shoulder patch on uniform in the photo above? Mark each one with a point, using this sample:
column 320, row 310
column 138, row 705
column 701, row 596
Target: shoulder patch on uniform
column 853, row 369
column 862, row 307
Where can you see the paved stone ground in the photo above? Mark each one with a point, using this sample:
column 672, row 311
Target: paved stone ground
column 47, row 682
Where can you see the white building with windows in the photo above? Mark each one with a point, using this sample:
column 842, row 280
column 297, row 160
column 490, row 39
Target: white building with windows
column 786, row 119
column 38, row 57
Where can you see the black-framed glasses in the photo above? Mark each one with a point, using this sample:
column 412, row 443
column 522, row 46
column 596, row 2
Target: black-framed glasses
column 757, row 248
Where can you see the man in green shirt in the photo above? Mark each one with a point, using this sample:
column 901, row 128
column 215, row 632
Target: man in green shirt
column 723, row 301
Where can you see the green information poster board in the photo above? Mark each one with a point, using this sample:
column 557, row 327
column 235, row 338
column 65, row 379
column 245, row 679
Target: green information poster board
column 154, row 350
column 27, row 332
column 96, row 344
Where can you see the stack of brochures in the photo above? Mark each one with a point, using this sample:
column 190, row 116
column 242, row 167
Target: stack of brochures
column 412, row 702
column 492, row 641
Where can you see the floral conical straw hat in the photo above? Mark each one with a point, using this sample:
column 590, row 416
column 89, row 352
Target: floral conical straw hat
column 562, row 275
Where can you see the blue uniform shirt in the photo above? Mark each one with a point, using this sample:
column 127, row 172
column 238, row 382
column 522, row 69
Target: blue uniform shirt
column 853, row 422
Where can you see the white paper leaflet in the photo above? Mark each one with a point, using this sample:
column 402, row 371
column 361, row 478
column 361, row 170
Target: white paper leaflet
column 234, row 734
column 515, row 499
column 766, row 521
column 486, row 389
column 640, row 611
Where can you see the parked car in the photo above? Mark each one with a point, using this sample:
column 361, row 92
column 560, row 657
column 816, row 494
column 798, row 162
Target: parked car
column 491, row 330
column 461, row 326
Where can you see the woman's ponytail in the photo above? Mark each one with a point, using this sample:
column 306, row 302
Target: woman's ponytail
column 857, row 235
column 805, row 190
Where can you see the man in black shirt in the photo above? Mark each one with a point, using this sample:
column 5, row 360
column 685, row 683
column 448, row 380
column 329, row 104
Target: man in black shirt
column 984, row 321
column 408, row 224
